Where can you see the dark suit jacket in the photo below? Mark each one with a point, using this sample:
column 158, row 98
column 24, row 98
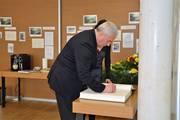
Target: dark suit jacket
column 72, row 68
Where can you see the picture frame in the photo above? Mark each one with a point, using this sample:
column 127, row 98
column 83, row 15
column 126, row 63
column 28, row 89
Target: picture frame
column 134, row 17
column 71, row 29
column 116, row 47
column 22, row 36
column 35, row 31
column 10, row 48
column 5, row 21
column 89, row 20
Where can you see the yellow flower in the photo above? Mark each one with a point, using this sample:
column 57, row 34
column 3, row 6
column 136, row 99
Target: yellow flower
column 135, row 55
column 117, row 63
column 137, row 60
column 133, row 70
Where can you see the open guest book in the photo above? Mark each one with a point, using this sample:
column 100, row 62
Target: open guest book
column 123, row 92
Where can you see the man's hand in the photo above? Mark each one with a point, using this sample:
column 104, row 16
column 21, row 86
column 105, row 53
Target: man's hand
column 110, row 88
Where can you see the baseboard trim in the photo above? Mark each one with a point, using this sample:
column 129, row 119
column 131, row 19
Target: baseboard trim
column 39, row 99
column 32, row 99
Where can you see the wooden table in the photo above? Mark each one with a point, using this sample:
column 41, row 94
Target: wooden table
column 12, row 74
column 110, row 109
column 82, row 106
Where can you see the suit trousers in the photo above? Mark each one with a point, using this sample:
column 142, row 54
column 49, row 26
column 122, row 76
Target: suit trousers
column 65, row 108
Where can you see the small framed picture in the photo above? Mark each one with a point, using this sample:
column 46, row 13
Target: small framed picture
column 22, row 36
column 5, row 21
column 10, row 48
column 116, row 47
column 90, row 20
column 35, row 31
column 134, row 17
column 71, row 29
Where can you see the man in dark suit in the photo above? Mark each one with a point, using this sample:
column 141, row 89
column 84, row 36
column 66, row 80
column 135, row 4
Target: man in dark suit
column 71, row 72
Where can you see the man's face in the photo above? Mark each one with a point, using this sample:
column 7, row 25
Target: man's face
column 105, row 40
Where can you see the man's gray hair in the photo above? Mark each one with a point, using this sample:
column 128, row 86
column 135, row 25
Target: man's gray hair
column 108, row 28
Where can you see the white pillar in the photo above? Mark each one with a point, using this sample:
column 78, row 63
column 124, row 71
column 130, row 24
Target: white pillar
column 154, row 89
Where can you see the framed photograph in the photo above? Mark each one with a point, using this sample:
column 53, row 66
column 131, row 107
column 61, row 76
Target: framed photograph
column 10, row 48
column 35, row 31
column 71, row 29
column 22, row 36
column 5, row 21
column 116, row 47
column 10, row 35
column 134, row 17
column 89, row 19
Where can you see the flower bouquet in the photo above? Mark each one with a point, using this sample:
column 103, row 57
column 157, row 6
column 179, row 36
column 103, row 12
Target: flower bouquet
column 125, row 71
